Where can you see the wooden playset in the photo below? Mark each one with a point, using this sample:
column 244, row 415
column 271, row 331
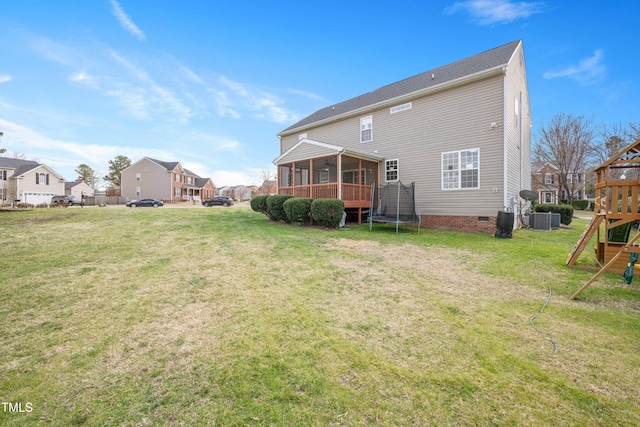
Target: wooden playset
column 615, row 212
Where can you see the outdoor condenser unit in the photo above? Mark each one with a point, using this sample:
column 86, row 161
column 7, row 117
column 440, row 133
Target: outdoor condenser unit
column 541, row 221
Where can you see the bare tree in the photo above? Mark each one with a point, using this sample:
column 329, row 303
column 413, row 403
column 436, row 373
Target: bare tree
column 566, row 144
column 267, row 175
column 2, row 150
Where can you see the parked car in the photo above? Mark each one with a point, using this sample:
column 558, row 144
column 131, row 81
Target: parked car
column 145, row 203
column 219, row 200
column 60, row 201
column 73, row 200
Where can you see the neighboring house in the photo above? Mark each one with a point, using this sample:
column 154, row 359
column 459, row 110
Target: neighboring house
column 461, row 132
column 78, row 189
column 269, row 187
column 29, row 182
column 545, row 181
column 241, row 193
column 224, row 191
column 167, row 181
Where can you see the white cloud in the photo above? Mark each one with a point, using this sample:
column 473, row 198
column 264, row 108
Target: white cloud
column 4, row 78
column 125, row 21
column 264, row 105
column 306, row 94
column 488, row 12
column 588, row 70
column 65, row 156
column 223, row 178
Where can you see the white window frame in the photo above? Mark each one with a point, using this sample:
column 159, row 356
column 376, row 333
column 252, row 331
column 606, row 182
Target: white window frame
column 178, row 178
column 324, row 176
column 548, row 179
column 388, row 169
column 138, row 176
column 366, row 128
column 452, row 169
column 138, row 192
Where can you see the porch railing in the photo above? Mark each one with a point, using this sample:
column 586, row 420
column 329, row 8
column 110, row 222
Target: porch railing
column 350, row 192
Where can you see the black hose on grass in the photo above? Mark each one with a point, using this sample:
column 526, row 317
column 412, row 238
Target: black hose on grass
column 555, row 346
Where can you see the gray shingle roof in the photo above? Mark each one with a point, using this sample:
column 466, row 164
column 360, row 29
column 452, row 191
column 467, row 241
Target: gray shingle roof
column 487, row 60
column 20, row 166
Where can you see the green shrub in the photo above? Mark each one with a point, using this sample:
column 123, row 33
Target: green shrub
column 327, row 212
column 275, row 210
column 298, row 209
column 580, row 205
column 565, row 211
column 259, row 204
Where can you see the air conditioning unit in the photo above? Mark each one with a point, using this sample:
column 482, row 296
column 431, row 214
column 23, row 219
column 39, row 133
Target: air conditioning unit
column 555, row 220
column 541, row 221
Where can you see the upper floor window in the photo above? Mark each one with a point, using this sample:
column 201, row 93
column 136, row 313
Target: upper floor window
column 138, row 176
column 177, row 177
column 3, row 175
column 461, row 169
column 366, row 129
column 548, row 179
column 189, row 180
column 42, row 179
column 399, row 108
column 391, row 170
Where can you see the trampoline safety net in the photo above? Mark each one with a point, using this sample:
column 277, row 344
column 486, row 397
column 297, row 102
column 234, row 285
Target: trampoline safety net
column 394, row 203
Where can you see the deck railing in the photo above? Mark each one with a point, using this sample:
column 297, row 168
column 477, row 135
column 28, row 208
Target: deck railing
column 350, row 192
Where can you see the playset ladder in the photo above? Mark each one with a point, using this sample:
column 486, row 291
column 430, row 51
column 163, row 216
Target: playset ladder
column 591, row 228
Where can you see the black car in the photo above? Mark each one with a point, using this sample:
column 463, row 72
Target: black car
column 219, row 200
column 145, row 203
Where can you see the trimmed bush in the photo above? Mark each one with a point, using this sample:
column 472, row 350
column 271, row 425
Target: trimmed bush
column 298, row 209
column 259, row 204
column 580, row 205
column 565, row 211
column 275, row 210
column 327, row 212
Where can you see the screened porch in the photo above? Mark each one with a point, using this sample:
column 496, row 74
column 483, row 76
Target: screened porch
column 336, row 177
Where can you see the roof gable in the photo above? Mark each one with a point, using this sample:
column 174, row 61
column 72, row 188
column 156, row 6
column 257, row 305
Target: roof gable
column 483, row 62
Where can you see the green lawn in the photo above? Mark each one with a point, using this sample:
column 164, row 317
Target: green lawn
column 136, row 317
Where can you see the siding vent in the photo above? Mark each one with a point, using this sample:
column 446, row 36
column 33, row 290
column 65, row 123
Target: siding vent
column 399, row 108
column 483, row 219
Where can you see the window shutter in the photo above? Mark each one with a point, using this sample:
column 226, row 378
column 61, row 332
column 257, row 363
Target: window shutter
column 37, row 178
column 47, row 179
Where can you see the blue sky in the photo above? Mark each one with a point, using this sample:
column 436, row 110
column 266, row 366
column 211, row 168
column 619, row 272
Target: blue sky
column 211, row 83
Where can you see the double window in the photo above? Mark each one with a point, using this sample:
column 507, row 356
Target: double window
column 461, row 169
column 391, row 170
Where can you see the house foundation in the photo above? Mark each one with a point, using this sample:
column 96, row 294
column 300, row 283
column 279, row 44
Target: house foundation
column 478, row 224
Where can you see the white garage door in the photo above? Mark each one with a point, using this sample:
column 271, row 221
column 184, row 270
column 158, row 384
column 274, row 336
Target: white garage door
column 36, row 198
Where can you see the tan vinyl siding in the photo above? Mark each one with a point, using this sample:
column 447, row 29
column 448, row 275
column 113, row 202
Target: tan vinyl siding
column 455, row 119
column 518, row 137
column 155, row 181
column 307, row 151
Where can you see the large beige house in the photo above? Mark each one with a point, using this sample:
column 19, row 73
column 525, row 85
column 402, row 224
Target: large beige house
column 461, row 132
column 28, row 182
column 168, row 181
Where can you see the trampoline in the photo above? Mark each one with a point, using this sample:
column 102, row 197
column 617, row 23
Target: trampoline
column 394, row 203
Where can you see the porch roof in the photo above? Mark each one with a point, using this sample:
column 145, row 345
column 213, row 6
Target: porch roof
column 309, row 149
